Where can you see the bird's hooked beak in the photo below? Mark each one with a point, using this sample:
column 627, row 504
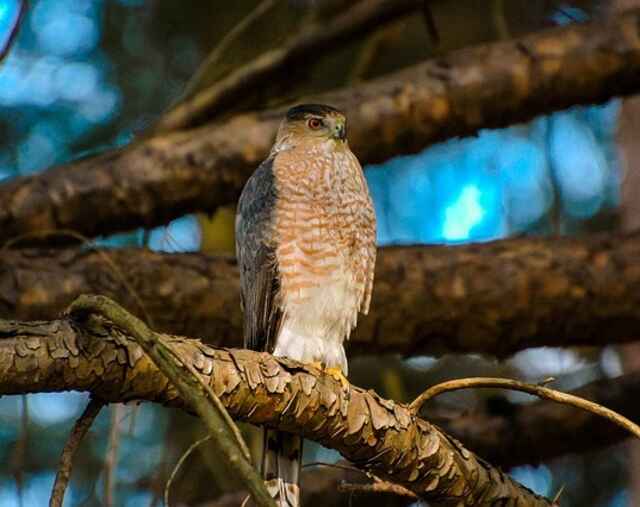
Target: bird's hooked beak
column 339, row 129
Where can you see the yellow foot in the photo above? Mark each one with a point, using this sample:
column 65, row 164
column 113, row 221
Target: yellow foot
column 337, row 374
column 317, row 364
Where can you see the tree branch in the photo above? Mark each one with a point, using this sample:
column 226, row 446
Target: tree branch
column 226, row 437
column 375, row 434
column 508, row 434
column 80, row 429
column 319, row 486
column 535, row 390
column 377, row 488
column 512, row 434
column 561, row 292
column 160, row 178
column 274, row 65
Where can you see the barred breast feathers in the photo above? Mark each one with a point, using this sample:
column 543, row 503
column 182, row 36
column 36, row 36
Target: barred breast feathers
column 326, row 238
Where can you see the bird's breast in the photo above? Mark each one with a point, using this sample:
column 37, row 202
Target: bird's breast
column 318, row 217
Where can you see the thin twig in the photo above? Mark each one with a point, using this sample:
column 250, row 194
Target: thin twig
column 111, row 461
column 225, row 434
column 4, row 51
column 377, row 487
column 213, row 58
column 78, row 432
column 500, row 20
column 430, row 23
column 185, row 455
column 347, row 468
column 536, row 390
column 556, row 498
column 369, row 52
column 362, row 18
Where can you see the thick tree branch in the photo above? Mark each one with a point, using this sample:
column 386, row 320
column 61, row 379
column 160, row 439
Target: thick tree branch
column 226, row 438
column 373, row 433
column 160, row 178
column 503, row 432
column 426, row 300
column 508, row 434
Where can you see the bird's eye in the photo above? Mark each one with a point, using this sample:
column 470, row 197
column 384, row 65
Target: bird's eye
column 314, row 123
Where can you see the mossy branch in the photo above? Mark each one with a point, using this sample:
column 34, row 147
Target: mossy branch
column 226, row 437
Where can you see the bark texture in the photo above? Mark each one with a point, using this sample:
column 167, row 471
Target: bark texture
column 492, row 298
column 373, row 433
column 163, row 177
column 504, row 433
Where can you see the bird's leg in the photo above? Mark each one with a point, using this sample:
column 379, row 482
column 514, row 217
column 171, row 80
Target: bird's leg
column 337, row 374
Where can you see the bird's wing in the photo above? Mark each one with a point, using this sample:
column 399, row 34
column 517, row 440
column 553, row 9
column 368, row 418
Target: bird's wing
column 255, row 250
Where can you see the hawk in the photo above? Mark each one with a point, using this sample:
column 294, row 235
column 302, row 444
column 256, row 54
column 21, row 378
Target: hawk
column 306, row 248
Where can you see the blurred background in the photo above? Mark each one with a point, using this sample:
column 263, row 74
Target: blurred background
column 87, row 75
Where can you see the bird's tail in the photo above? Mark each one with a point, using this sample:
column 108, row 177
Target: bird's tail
column 281, row 460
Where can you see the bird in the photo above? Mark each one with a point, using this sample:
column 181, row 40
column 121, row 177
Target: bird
column 306, row 250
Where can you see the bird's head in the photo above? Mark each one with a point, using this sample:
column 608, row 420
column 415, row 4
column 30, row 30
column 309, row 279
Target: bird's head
column 313, row 122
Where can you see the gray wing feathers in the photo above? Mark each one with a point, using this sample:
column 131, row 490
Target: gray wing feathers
column 259, row 286
column 255, row 249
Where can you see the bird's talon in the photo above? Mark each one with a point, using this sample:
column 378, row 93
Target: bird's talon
column 317, row 364
column 337, row 374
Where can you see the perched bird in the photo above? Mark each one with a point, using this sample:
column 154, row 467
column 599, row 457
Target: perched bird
column 306, row 248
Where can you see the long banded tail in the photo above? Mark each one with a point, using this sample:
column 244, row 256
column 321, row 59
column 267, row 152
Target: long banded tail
column 281, row 460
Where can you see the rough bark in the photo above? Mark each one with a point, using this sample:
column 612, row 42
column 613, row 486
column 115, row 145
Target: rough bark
column 493, row 298
column 509, row 434
column 373, row 433
column 160, row 178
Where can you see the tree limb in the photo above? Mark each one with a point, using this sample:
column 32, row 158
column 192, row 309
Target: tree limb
column 511, row 434
column 505, row 433
column 226, row 437
column 276, row 64
column 198, row 80
column 154, row 180
column 426, row 300
column 375, row 434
